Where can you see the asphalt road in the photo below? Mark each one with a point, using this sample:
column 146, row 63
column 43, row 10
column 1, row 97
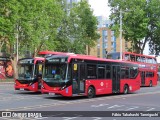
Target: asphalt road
column 146, row 100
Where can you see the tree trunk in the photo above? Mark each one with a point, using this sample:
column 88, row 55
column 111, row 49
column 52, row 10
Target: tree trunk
column 144, row 44
column 14, row 65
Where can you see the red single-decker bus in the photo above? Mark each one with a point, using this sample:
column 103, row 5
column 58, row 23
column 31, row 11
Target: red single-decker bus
column 82, row 75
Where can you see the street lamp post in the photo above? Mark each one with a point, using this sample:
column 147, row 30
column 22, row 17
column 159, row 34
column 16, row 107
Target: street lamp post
column 120, row 34
column 17, row 46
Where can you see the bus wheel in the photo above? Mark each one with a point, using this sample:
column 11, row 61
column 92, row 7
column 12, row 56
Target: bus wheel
column 150, row 84
column 126, row 89
column 91, row 92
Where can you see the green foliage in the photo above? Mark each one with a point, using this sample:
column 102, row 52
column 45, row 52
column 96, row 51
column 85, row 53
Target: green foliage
column 140, row 21
column 46, row 24
column 34, row 22
column 78, row 28
column 42, row 23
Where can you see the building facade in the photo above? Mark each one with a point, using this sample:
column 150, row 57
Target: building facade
column 108, row 42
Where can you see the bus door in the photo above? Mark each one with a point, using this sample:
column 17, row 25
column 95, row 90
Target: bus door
column 39, row 75
column 115, row 79
column 78, row 78
column 142, row 78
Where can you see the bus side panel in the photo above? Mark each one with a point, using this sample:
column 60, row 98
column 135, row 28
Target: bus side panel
column 147, row 81
column 108, row 87
column 132, row 84
column 154, row 79
column 101, row 86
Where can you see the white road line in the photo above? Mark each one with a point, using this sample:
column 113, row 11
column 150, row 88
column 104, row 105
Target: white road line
column 41, row 118
column 69, row 118
column 96, row 118
column 100, row 105
column 150, row 109
column 115, row 106
column 131, row 108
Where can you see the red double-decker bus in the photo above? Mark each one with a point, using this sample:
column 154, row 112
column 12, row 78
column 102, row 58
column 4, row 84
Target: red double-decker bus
column 148, row 66
column 75, row 75
column 30, row 71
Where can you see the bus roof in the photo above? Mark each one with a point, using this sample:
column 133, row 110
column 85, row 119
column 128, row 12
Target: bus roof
column 149, row 56
column 28, row 60
column 88, row 57
column 53, row 53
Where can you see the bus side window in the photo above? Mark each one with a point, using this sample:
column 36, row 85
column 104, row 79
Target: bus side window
column 108, row 71
column 144, row 60
column 133, row 72
column 132, row 57
column 138, row 59
column 124, row 72
column 147, row 60
column 127, row 57
column 154, row 61
column 101, row 71
column 91, row 71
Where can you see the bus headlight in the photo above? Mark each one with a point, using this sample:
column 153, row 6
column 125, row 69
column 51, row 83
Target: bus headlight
column 62, row 88
column 30, row 84
column 42, row 86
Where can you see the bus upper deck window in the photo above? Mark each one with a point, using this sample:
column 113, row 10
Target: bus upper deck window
column 138, row 58
column 132, row 58
column 127, row 57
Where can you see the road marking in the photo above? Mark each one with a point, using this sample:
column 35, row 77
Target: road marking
column 115, row 106
column 150, row 109
column 81, row 101
column 131, row 108
column 42, row 118
column 100, row 105
column 96, row 118
column 69, row 118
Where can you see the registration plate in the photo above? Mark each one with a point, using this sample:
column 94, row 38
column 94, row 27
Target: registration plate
column 21, row 88
column 51, row 93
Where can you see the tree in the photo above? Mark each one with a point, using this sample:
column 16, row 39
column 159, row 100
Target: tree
column 78, row 28
column 140, row 21
column 31, row 23
column 41, row 24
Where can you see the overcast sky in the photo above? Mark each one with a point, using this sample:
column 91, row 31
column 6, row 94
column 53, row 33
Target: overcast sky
column 100, row 7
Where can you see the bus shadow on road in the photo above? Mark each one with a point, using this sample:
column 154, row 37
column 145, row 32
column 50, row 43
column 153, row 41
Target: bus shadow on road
column 46, row 96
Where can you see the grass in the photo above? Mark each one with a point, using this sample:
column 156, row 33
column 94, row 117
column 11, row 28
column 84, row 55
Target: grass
column 7, row 80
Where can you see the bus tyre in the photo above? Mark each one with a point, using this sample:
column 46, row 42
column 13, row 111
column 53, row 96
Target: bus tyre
column 126, row 89
column 91, row 92
column 150, row 84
